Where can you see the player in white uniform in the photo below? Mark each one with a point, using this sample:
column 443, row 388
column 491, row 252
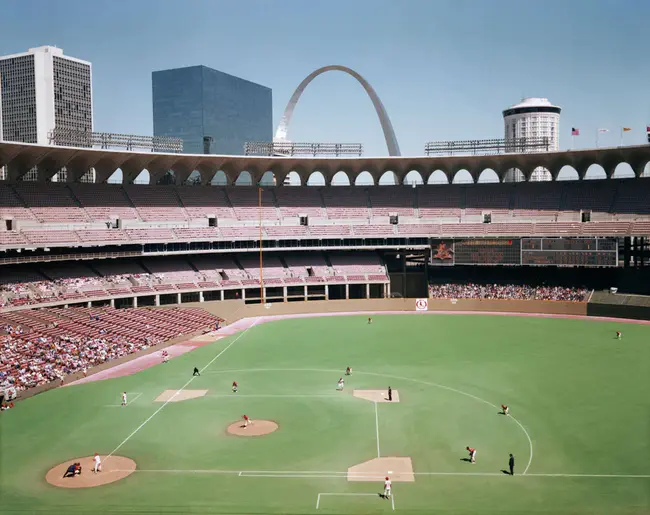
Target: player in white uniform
column 124, row 399
column 387, row 485
column 98, row 463
column 340, row 384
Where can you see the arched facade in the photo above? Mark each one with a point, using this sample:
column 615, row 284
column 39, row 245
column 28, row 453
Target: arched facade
column 21, row 157
column 386, row 126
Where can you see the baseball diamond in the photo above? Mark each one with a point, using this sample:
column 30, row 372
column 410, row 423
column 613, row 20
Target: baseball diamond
column 450, row 373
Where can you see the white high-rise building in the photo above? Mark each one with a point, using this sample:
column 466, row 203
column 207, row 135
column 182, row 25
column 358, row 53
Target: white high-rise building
column 42, row 89
column 532, row 119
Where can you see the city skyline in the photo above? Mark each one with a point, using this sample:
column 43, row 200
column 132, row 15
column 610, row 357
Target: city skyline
column 446, row 72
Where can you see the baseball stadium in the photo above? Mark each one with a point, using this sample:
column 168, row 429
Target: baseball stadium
column 278, row 332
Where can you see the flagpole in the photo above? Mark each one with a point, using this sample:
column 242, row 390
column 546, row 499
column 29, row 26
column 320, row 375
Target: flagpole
column 597, row 135
column 621, row 142
column 262, row 299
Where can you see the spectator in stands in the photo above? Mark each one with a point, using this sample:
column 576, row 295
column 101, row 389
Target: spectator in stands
column 506, row 291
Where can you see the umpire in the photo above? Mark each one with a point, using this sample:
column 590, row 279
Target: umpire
column 511, row 465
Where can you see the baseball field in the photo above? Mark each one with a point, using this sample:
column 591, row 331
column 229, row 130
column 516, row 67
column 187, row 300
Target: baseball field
column 579, row 423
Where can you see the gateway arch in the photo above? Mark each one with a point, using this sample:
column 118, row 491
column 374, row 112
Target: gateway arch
column 386, row 126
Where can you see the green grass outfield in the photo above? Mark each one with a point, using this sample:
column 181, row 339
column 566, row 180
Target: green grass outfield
column 579, row 394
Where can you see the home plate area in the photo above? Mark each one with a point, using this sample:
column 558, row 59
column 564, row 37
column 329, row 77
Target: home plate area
column 178, row 396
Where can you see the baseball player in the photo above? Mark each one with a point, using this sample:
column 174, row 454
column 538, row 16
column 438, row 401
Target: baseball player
column 472, row 454
column 247, row 420
column 348, row 371
column 618, row 335
column 235, row 387
column 505, row 410
column 340, row 385
column 165, row 356
column 73, row 470
column 98, row 463
column 387, row 485
column 124, row 399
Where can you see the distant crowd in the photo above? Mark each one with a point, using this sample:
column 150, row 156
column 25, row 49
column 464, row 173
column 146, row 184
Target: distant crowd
column 31, row 359
column 506, row 291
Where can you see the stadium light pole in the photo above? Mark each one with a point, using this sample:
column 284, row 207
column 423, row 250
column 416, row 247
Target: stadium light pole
column 259, row 202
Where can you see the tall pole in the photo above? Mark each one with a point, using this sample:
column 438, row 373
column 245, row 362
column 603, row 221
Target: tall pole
column 259, row 201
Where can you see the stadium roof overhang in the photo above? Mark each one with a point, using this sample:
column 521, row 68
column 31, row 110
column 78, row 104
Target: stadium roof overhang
column 21, row 157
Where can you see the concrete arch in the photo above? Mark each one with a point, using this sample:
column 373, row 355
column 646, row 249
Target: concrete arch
column 413, row 177
column 386, row 126
column 316, row 178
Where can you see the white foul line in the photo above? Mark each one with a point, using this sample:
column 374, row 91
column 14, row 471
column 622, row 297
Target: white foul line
column 377, row 430
column 392, row 501
column 180, row 390
column 307, row 474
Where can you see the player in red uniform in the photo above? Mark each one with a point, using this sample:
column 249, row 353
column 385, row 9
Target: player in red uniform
column 369, row 320
column 348, row 371
column 505, row 410
column 247, row 420
column 472, row 454
column 618, row 335
column 234, row 387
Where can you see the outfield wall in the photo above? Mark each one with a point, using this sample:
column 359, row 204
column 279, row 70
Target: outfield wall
column 233, row 310
column 618, row 311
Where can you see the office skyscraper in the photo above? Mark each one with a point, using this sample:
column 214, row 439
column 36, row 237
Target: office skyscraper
column 42, row 89
column 212, row 112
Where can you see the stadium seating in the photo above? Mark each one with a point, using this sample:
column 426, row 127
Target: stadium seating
column 387, row 200
column 104, row 203
column 48, row 345
column 54, row 202
column 156, row 203
column 56, row 214
column 346, row 202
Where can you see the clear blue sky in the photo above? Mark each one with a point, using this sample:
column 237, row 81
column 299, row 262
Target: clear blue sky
column 443, row 69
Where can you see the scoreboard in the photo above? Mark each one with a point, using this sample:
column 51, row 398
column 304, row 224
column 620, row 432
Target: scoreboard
column 569, row 251
column 600, row 252
column 487, row 252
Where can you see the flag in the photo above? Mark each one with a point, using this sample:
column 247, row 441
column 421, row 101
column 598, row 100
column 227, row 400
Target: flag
column 575, row 132
column 626, row 129
column 603, row 130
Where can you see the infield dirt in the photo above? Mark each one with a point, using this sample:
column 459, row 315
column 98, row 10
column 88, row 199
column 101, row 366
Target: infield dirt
column 256, row 428
column 176, row 396
column 113, row 469
column 376, row 395
column 399, row 469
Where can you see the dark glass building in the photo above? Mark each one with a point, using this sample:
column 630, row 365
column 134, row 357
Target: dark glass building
column 209, row 108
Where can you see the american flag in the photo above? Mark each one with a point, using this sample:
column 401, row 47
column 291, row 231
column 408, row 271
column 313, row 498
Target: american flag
column 575, row 132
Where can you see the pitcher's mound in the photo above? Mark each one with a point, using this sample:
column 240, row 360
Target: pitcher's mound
column 113, row 469
column 171, row 395
column 376, row 395
column 400, row 470
column 257, row 428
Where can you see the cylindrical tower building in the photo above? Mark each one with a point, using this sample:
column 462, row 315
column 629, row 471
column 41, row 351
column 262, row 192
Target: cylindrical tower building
column 532, row 119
